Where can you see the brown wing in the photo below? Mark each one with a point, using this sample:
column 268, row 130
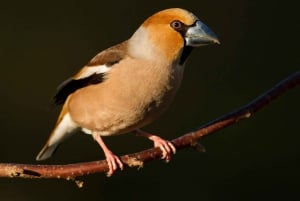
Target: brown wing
column 92, row 73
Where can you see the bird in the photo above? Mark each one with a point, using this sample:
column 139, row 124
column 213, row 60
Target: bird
column 129, row 85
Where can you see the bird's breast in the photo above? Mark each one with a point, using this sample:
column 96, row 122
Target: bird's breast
column 124, row 102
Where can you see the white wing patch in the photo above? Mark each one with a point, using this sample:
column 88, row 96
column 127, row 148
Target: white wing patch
column 63, row 130
column 88, row 71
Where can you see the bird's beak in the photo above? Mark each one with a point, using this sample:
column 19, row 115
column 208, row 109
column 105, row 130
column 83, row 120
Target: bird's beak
column 199, row 34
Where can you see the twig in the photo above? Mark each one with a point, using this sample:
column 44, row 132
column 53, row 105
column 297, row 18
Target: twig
column 72, row 171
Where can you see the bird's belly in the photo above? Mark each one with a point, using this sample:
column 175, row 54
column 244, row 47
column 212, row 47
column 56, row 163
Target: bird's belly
column 117, row 119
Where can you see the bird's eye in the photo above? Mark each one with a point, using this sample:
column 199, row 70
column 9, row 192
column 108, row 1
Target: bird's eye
column 176, row 24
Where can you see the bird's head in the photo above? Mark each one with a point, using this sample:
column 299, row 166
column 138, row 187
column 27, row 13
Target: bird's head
column 168, row 32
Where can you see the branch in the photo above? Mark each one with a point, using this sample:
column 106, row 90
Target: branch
column 72, row 171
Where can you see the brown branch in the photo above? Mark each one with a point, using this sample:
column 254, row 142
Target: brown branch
column 72, row 171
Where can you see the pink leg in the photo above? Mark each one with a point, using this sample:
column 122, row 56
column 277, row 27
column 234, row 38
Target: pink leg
column 113, row 161
column 166, row 146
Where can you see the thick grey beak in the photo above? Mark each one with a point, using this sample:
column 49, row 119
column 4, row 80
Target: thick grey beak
column 199, row 34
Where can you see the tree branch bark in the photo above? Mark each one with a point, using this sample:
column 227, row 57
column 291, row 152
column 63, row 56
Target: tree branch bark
column 72, row 171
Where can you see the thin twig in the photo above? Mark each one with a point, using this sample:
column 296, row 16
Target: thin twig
column 72, row 171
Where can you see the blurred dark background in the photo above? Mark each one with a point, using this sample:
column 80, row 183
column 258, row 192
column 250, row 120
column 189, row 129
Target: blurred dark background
column 43, row 43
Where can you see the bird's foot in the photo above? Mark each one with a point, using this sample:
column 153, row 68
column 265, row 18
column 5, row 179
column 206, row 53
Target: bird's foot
column 113, row 163
column 112, row 160
column 166, row 146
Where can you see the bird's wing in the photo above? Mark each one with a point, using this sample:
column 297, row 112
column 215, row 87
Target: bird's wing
column 92, row 73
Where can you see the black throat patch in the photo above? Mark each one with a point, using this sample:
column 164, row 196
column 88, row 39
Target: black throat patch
column 185, row 53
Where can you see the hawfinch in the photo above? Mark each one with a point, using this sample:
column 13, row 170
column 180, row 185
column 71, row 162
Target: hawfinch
column 127, row 86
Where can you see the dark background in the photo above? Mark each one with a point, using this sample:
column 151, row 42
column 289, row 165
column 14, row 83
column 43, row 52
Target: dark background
column 42, row 43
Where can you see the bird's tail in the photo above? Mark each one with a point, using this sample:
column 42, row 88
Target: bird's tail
column 64, row 128
column 46, row 152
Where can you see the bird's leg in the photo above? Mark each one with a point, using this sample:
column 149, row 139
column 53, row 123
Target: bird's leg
column 166, row 146
column 113, row 161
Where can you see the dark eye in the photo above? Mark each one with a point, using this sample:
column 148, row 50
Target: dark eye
column 176, row 24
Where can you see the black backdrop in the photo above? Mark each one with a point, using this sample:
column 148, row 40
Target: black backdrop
column 41, row 44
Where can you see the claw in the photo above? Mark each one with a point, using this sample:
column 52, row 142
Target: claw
column 113, row 163
column 166, row 146
column 112, row 160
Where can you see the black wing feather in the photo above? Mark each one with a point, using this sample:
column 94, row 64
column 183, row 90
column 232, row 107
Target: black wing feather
column 71, row 85
column 108, row 57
